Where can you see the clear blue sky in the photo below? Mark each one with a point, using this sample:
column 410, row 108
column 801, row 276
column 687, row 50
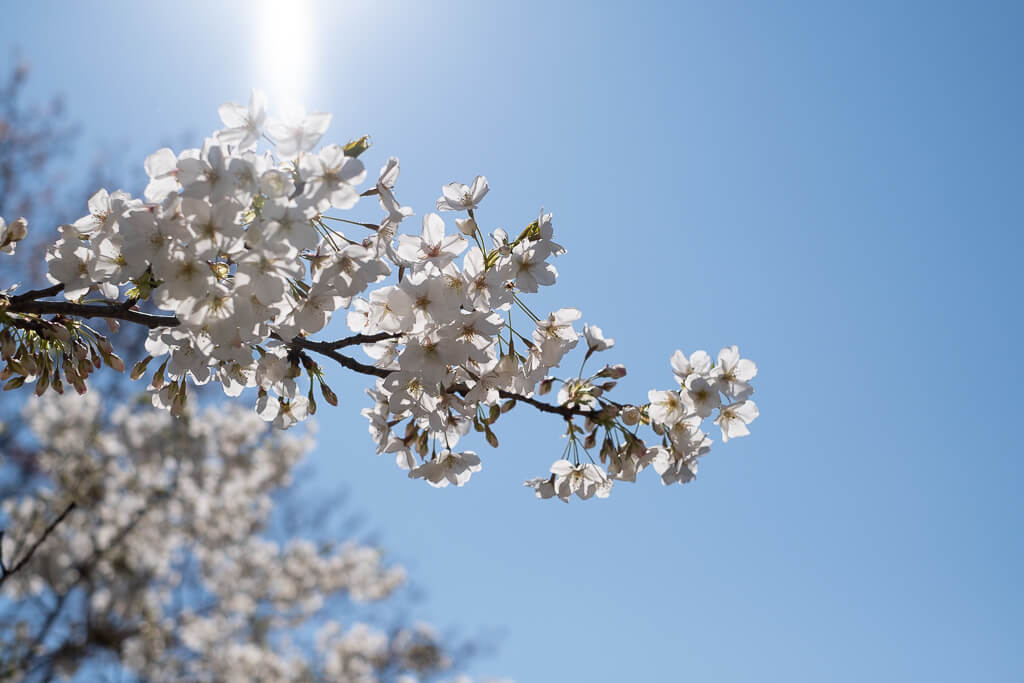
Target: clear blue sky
column 835, row 187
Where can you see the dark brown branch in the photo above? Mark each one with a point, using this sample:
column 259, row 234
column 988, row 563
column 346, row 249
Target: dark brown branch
column 34, row 294
column 328, row 349
column 565, row 411
column 122, row 311
column 118, row 311
column 360, row 339
column 4, row 571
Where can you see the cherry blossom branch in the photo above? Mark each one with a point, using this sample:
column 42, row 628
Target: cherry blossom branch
column 28, row 303
column 359, row 339
column 328, row 349
column 565, row 411
column 4, row 571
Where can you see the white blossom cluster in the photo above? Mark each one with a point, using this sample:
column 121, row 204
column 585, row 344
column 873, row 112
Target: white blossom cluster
column 241, row 247
column 163, row 563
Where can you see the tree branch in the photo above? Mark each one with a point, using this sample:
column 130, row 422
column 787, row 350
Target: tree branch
column 4, row 571
column 118, row 311
column 360, row 339
column 565, row 411
column 28, row 303
column 328, row 349
column 34, row 294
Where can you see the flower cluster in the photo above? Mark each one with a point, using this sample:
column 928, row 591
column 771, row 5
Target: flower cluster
column 164, row 562
column 243, row 249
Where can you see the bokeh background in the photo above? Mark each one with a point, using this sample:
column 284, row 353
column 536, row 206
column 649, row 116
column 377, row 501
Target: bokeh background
column 836, row 187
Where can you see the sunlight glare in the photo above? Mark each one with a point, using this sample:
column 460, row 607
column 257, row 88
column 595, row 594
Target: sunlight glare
column 284, row 51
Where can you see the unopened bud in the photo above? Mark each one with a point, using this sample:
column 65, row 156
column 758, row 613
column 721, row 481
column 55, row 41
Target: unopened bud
column 42, row 383
column 328, row 394
column 14, row 383
column 630, row 415
column 104, row 345
column 607, row 450
column 17, row 230
column 139, row 368
column 114, row 361
column 60, row 331
column 613, row 371
column 467, row 226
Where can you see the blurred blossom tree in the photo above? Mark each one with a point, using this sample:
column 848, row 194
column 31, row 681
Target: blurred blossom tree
column 134, row 543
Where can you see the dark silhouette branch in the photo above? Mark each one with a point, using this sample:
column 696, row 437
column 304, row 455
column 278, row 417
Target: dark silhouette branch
column 117, row 311
column 29, row 303
column 34, row 294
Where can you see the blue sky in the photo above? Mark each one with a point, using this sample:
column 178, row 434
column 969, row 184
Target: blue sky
column 834, row 187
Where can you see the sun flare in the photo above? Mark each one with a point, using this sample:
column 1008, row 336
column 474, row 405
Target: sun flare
column 284, row 50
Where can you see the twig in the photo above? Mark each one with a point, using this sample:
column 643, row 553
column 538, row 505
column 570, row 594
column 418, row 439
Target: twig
column 34, row 294
column 360, row 339
column 5, row 572
column 328, row 349
column 119, row 311
column 27, row 303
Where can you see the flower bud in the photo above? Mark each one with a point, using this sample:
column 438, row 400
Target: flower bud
column 14, row 383
column 43, row 382
column 17, row 230
column 613, row 371
column 114, row 361
column 139, row 368
column 104, row 345
column 467, row 226
column 328, row 394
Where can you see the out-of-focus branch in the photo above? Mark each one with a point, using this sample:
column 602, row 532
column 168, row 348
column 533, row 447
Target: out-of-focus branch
column 5, row 572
